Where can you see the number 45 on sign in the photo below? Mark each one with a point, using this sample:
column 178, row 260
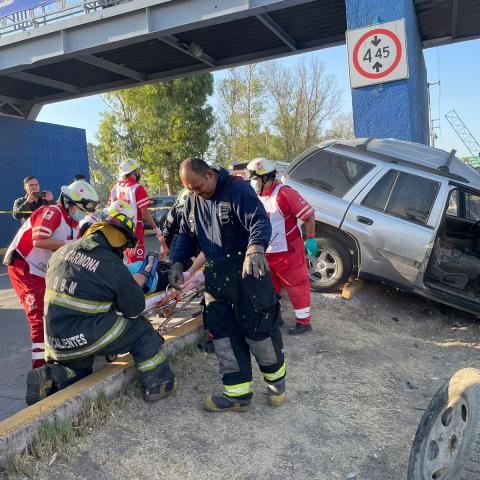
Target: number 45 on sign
column 377, row 54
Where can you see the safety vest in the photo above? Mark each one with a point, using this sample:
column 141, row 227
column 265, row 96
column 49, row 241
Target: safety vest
column 37, row 258
column 127, row 194
column 278, row 240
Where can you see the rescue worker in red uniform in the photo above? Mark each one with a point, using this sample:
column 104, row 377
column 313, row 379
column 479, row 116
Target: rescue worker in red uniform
column 286, row 251
column 49, row 228
column 129, row 190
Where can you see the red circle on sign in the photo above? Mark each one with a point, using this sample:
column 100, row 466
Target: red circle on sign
column 378, row 31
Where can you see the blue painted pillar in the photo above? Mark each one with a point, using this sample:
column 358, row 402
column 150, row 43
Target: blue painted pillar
column 397, row 109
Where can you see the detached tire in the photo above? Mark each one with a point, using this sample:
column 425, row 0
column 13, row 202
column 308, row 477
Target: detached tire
column 447, row 441
column 331, row 268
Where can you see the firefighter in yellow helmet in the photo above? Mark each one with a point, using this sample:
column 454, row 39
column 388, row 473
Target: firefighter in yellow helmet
column 93, row 306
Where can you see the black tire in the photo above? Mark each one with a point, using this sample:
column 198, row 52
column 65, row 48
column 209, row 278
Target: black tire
column 447, row 441
column 330, row 252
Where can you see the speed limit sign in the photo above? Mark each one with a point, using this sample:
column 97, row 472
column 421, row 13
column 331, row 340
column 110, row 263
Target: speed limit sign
column 377, row 54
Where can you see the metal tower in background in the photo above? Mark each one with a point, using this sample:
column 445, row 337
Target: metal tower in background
column 465, row 136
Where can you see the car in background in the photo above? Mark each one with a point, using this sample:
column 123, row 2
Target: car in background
column 399, row 212
column 159, row 208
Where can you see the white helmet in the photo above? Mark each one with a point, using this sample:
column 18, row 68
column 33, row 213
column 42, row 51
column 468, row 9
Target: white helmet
column 80, row 193
column 261, row 166
column 117, row 207
column 129, row 166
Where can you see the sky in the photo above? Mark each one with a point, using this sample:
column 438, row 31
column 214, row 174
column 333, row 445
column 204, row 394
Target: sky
column 456, row 66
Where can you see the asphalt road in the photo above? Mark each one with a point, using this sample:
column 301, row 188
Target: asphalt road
column 14, row 349
column 15, row 344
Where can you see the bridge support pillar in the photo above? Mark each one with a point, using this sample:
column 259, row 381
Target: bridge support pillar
column 397, row 109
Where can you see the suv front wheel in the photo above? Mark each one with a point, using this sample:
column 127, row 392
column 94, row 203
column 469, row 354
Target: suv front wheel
column 332, row 267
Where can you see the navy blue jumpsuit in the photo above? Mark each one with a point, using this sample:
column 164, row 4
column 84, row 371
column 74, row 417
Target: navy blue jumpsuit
column 241, row 313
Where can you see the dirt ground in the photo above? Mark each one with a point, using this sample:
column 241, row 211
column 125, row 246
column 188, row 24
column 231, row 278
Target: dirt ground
column 357, row 387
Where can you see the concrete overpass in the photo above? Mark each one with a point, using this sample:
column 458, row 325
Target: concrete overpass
column 145, row 41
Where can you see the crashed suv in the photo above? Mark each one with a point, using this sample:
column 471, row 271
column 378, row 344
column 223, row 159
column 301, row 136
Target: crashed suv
column 399, row 212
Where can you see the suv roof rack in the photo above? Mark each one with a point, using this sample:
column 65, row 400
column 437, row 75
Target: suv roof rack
column 387, row 158
column 446, row 166
column 365, row 143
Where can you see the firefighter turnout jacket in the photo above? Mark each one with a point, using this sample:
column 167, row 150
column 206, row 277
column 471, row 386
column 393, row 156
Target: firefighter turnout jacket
column 234, row 202
column 87, row 287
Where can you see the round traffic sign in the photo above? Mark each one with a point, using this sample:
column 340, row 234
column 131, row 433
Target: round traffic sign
column 377, row 53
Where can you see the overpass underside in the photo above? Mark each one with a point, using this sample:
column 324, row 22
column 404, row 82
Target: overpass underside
column 137, row 42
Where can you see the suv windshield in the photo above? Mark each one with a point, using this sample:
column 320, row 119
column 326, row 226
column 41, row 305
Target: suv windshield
column 330, row 172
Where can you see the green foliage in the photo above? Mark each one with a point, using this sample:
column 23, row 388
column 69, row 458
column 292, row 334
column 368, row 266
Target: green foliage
column 102, row 176
column 302, row 100
column 273, row 110
column 341, row 128
column 159, row 124
column 239, row 131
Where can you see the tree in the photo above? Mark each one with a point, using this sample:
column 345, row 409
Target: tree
column 102, row 177
column 159, row 124
column 238, row 131
column 341, row 127
column 302, row 100
column 274, row 111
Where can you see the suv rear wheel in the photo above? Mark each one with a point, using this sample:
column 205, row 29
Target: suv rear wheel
column 332, row 267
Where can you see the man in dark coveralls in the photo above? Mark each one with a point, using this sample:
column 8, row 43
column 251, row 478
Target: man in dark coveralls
column 226, row 220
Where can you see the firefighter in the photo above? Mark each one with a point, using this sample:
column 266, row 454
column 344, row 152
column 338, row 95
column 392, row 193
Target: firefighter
column 229, row 224
column 132, row 192
column 286, row 252
column 49, row 228
column 87, row 284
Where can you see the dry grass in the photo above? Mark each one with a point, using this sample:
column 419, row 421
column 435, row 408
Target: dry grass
column 54, row 438
column 57, row 437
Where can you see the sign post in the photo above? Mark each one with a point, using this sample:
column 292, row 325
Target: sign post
column 377, row 54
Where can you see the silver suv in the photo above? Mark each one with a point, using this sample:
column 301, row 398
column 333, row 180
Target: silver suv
column 395, row 211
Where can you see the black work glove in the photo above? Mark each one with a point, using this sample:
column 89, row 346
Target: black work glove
column 175, row 277
column 255, row 262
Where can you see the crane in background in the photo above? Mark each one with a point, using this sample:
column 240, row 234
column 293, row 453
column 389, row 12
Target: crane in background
column 466, row 137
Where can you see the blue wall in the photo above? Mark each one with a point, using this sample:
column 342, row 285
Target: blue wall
column 396, row 109
column 52, row 153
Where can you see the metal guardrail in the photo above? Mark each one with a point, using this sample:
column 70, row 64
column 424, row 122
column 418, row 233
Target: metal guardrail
column 52, row 12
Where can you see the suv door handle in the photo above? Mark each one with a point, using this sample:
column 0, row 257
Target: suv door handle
column 365, row 220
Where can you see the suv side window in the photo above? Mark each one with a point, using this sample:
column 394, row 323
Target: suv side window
column 330, row 172
column 465, row 205
column 472, row 207
column 403, row 195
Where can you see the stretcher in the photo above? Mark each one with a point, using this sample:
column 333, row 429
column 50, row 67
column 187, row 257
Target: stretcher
column 171, row 308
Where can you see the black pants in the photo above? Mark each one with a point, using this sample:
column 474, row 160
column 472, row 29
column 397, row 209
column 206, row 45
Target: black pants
column 242, row 315
column 138, row 338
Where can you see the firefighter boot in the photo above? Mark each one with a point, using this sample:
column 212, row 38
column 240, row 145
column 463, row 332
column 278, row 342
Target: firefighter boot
column 223, row 403
column 43, row 381
column 161, row 386
column 276, row 393
column 154, row 393
column 39, row 384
